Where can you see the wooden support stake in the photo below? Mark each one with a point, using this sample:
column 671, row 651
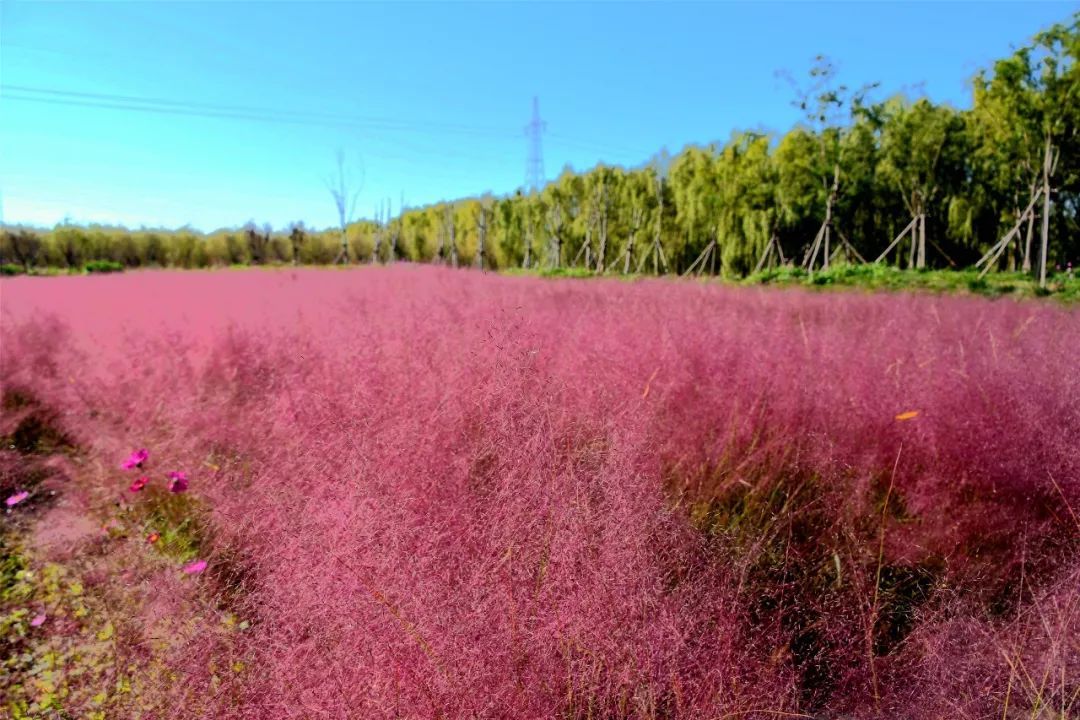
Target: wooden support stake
column 837, row 251
column 825, row 256
column 1046, row 213
column 624, row 255
column 809, row 262
column 701, row 259
column 1003, row 245
column 849, row 246
column 767, row 253
column 914, row 242
column 943, row 253
column 993, row 253
column 577, row 257
column 920, row 260
column 642, row 258
column 895, row 241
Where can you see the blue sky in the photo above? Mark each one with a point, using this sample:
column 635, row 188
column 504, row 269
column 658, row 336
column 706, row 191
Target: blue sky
column 428, row 100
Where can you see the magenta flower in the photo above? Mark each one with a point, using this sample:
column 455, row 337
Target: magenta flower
column 136, row 459
column 17, row 498
column 195, row 567
column 177, row 481
column 138, row 483
column 38, row 620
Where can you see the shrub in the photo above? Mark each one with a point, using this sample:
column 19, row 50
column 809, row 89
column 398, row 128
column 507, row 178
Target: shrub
column 103, row 266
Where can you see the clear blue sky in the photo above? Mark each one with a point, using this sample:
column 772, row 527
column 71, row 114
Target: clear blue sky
column 436, row 95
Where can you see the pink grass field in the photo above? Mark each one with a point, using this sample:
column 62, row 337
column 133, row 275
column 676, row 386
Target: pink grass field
column 447, row 494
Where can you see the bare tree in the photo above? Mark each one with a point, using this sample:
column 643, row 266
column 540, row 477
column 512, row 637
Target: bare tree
column 297, row 237
column 341, row 187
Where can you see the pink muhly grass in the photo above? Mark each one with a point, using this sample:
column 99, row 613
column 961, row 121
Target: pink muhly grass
column 136, row 459
column 463, row 495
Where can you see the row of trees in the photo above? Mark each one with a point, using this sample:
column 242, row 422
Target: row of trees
column 906, row 182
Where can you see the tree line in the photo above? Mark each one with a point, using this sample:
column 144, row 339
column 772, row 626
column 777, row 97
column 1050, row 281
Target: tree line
column 907, row 182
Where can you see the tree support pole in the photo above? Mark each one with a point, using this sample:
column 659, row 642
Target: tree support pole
column 896, row 241
column 702, row 259
column 1045, row 215
column 994, row 253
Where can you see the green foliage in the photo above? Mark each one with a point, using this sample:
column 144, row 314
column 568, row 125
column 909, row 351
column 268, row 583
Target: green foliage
column 567, row 272
column 781, row 275
column 103, row 266
column 175, row 517
column 44, row 671
column 11, row 269
column 878, row 276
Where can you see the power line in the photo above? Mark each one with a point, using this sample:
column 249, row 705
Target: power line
column 186, row 107
column 534, row 166
column 164, row 106
column 241, row 116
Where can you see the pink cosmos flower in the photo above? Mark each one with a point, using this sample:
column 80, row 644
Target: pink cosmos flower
column 177, row 481
column 138, row 483
column 38, row 620
column 136, row 459
column 195, row 567
column 17, row 498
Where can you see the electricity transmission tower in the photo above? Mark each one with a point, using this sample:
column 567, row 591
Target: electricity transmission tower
column 534, row 166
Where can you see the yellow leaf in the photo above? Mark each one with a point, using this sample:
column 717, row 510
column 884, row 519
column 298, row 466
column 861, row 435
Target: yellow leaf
column 907, row 415
column 648, row 383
